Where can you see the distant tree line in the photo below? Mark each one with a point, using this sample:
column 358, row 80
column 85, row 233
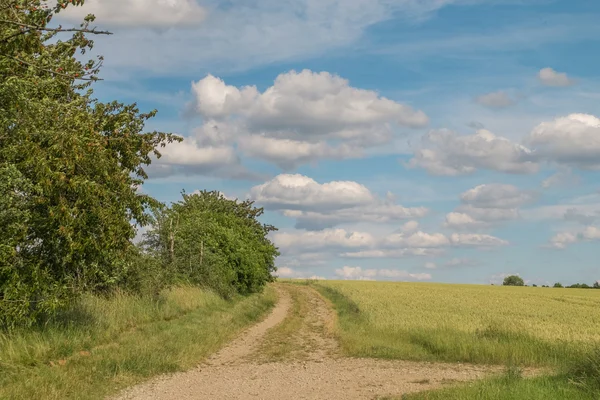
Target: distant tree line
column 516, row 280
column 70, row 167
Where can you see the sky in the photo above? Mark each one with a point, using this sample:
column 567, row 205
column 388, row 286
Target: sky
column 409, row 140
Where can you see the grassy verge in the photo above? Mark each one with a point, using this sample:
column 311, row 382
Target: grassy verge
column 569, row 385
column 103, row 345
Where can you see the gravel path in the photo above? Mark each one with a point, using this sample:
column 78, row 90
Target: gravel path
column 239, row 372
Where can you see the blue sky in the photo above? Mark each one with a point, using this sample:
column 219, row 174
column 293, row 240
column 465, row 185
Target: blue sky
column 432, row 140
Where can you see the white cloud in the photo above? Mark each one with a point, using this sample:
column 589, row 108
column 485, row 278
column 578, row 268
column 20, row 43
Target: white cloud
column 416, row 240
column 289, row 154
column 139, row 13
column 191, row 157
column 498, row 99
column 188, row 152
column 297, row 191
column 393, row 253
column 476, row 240
column 550, row 77
column 443, row 152
column 348, row 244
column 324, row 205
column 429, row 265
column 409, row 227
column 460, row 221
column 238, row 34
column 302, row 118
column 496, row 196
column 357, row 273
column 304, row 103
column 298, row 242
column 485, row 205
column 562, row 239
column 286, row 272
column 573, row 140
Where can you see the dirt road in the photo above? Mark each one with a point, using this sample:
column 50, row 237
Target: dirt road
column 292, row 354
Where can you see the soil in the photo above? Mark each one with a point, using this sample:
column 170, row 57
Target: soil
column 311, row 368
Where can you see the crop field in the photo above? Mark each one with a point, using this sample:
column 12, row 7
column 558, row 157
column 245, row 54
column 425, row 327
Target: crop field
column 522, row 326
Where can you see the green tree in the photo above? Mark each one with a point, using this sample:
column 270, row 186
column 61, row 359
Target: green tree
column 557, row 285
column 596, row 285
column 70, row 166
column 213, row 241
column 513, row 280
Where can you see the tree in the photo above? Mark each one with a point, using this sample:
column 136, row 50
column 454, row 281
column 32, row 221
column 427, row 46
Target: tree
column 558, row 285
column 213, row 241
column 596, row 285
column 70, row 166
column 513, row 280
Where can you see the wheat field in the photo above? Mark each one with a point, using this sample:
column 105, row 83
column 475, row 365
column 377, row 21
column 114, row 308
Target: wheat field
column 470, row 323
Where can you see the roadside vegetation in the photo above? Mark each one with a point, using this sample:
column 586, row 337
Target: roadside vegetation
column 102, row 345
column 83, row 309
column 70, row 172
column 556, row 331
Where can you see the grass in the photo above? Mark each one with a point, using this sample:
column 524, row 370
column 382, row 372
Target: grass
column 558, row 328
column 466, row 323
column 101, row 345
column 279, row 342
column 510, row 387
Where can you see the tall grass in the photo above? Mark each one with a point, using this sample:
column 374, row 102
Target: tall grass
column 466, row 323
column 101, row 345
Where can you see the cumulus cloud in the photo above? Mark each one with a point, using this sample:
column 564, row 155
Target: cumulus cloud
column 297, row 191
column 139, row 13
column 304, row 116
column 563, row 239
column 444, row 152
column 286, row 272
column 357, row 273
column 485, row 205
column 496, row 196
column 324, row 205
column 550, row 77
column 348, row 244
column 573, row 140
column 288, row 154
column 416, row 240
column 297, row 242
column 314, row 103
column 409, row 227
column 498, row 99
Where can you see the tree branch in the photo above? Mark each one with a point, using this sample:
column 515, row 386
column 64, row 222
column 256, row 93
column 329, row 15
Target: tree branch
column 39, row 28
column 83, row 78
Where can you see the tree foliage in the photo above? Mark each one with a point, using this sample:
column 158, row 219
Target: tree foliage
column 69, row 165
column 513, row 280
column 209, row 240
